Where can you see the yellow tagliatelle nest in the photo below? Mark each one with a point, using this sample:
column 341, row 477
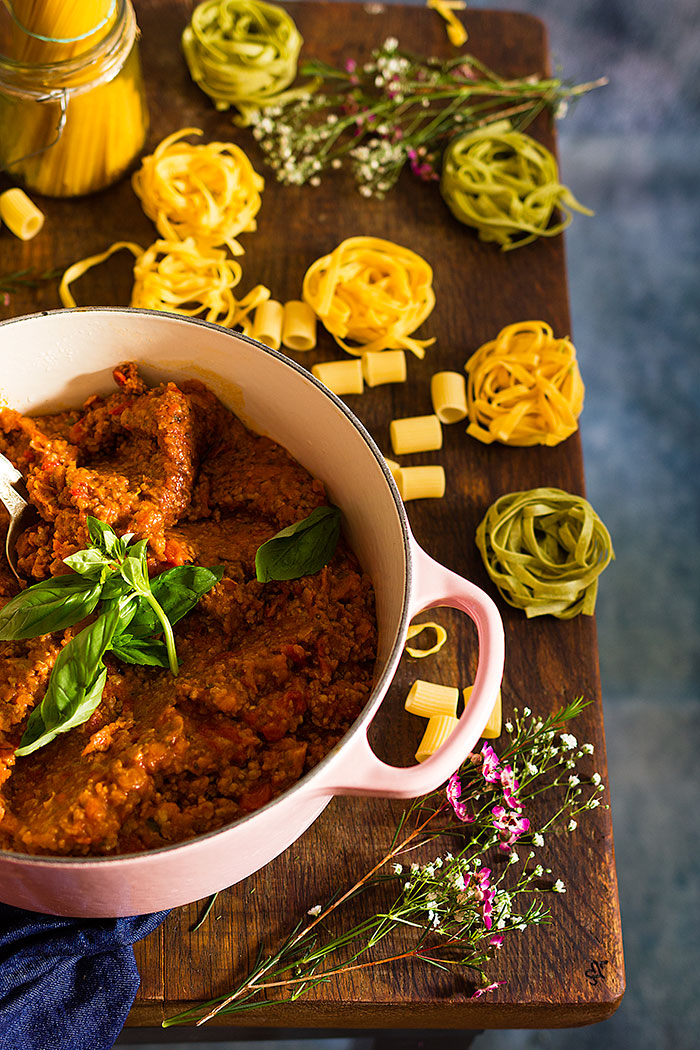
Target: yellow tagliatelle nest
column 506, row 185
column 524, row 387
column 372, row 292
column 180, row 277
column 210, row 192
column 545, row 549
column 242, row 53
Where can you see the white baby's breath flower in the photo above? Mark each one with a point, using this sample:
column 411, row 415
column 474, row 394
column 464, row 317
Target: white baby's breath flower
column 397, row 869
column 572, row 825
column 537, row 839
column 574, row 780
column 587, row 749
column 596, row 778
column 569, row 741
column 316, row 910
column 559, row 887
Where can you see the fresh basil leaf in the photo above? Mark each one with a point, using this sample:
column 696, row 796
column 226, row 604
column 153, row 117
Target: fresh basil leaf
column 135, row 573
column 114, row 587
column 104, row 538
column 51, row 605
column 91, row 563
column 75, row 687
column 139, row 651
column 300, row 549
column 176, row 590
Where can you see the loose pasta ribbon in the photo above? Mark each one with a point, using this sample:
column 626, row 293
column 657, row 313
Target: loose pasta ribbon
column 372, row 292
column 243, row 53
column 545, row 549
column 506, row 185
column 524, row 388
column 210, row 192
column 179, row 277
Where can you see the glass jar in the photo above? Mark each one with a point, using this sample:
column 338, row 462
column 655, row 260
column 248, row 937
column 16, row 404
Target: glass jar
column 73, row 114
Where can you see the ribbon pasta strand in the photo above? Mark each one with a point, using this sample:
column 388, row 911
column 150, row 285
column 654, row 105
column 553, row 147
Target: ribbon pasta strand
column 506, row 185
column 210, row 192
column 524, row 387
column 243, row 53
column 372, row 292
column 544, row 549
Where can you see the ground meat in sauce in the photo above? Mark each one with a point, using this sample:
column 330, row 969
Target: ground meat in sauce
column 272, row 675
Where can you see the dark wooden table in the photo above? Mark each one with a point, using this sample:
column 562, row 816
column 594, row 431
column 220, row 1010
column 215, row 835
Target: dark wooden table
column 570, row 973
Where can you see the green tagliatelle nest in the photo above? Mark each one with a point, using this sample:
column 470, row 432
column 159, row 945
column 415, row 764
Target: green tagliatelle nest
column 545, row 549
column 506, row 185
column 242, row 53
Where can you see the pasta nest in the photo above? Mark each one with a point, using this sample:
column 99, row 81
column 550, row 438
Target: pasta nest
column 210, row 192
column 242, row 53
column 372, row 292
column 524, row 387
column 545, row 549
column 181, row 277
column 506, row 185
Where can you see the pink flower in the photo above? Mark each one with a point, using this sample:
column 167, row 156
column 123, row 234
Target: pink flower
column 497, row 941
column 350, row 65
column 509, row 825
column 487, row 988
column 491, row 763
column 510, row 786
column 454, row 792
column 479, row 889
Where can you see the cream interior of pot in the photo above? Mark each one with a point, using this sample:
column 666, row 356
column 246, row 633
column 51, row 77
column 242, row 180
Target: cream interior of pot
column 55, row 361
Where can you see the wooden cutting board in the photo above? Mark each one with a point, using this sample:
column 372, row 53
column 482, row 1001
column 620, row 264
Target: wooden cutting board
column 571, row 972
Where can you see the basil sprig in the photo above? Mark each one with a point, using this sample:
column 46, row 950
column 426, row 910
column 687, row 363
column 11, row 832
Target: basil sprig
column 301, row 549
column 134, row 610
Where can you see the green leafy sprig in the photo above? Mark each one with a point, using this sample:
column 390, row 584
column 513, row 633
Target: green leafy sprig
column 110, row 575
column 11, row 283
column 394, row 110
column 454, row 910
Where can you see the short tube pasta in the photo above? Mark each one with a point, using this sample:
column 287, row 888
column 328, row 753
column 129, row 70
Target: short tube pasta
column 430, row 698
column 20, row 214
column 267, row 325
column 298, row 326
column 448, row 391
column 342, row 377
column 492, row 729
column 387, row 366
column 439, row 728
column 421, row 482
column 415, row 434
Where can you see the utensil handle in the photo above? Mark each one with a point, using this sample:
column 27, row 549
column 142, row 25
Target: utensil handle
column 9, row 497
column 360, row 772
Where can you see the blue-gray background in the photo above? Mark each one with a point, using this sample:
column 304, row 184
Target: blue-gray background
column 632, row 152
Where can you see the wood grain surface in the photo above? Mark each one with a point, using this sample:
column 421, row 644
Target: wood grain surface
column 571, row 972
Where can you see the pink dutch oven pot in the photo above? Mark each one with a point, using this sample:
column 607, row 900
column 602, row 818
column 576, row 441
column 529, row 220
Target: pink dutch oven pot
column 52, row 361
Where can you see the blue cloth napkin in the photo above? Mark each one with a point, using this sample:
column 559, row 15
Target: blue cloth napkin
column 67, row 983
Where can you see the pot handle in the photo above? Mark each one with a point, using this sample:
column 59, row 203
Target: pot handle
column 359, row 771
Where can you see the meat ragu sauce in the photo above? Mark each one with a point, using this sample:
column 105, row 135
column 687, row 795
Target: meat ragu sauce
column 272, row 674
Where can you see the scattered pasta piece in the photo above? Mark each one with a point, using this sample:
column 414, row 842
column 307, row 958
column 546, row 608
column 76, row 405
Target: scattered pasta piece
column 372, row 292
column 342, row 377
column 439, row 728
column 418, row 628
column 448, row 392
column 415, row 434
column 83, row 265
column 177, row 276
column 387, row 366
column 492, row 729
column 524, row 387
column 545, row 549
column 298, row 326
column 456, row 33
column 20, row 214
column 429, row 698
column 506, row 185
column 181, row 277
column 421, row 483
column 210, row 192
column 242, row 53
column 267, row 326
